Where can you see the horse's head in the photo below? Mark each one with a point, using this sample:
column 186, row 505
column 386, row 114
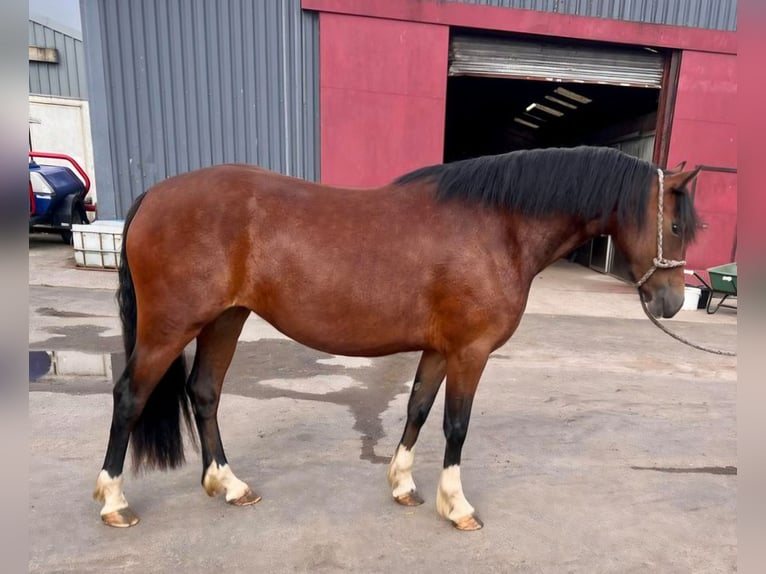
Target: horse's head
column 657, row 258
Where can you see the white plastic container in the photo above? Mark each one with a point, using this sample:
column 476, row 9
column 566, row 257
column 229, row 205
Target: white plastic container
column 691, row 298
column 97, row 246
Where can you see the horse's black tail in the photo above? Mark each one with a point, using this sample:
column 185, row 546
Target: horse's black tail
column 156, row 436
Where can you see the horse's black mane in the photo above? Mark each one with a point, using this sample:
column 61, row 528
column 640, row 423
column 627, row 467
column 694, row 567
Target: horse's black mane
column 589, row 182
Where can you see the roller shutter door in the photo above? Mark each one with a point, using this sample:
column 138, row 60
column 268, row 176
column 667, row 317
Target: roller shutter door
column 549, row 61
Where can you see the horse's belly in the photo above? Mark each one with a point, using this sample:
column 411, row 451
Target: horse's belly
column 354, row 332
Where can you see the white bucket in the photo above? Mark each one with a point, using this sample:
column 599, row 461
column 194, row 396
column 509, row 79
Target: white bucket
column 691, row 298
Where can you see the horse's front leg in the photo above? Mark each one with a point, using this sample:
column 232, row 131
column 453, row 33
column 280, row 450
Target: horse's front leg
column 464, row 370
column 428, row 379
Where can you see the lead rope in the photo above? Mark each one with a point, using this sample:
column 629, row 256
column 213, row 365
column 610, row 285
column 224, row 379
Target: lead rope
column 660, row 262
column 680, row 338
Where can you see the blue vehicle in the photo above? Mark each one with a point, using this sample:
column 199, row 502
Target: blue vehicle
column 56, row 195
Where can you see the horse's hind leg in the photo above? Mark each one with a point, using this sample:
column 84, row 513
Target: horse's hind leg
column 149, row 364
column 428, row 379
column 216, row 344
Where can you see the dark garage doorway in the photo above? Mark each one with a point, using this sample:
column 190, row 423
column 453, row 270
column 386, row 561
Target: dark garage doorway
column 490, row 115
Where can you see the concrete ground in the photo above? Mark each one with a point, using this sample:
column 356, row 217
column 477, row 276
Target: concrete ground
column 597, row 444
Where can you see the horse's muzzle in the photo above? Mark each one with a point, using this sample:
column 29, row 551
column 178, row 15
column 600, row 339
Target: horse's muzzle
column 664, row 301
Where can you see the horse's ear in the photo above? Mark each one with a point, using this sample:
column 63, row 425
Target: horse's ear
column 681, row 179
column 677, row 169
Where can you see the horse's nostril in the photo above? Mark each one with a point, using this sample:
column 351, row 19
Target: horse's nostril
column 646, row 296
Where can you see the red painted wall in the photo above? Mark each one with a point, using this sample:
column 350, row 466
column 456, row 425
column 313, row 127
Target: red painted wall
column 704, row 132
column 533, row 22
column 382, row 90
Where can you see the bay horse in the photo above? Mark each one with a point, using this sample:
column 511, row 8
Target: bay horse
column 439, row 261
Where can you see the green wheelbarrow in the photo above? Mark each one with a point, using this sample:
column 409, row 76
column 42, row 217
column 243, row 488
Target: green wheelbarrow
column 722, row 285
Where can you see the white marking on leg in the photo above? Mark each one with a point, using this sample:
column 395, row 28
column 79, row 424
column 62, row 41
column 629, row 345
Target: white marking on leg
column 400, row 472
column 109, row 491
column 450, row 500
column 221, row 479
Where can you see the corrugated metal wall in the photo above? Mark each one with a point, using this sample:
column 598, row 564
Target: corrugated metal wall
column 192, row 83
column 711, row 14
column 64, row 79
column 641, row 147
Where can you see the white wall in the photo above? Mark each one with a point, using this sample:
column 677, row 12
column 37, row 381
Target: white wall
column 63, row 126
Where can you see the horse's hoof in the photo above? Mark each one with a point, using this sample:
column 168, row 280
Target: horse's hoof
column 412, row 498
column 246, row 499
column 122, row 518
column 468, row 523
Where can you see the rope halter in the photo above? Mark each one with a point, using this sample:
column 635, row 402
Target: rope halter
column 659, row 262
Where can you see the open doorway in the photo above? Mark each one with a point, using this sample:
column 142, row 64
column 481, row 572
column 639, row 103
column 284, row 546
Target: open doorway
column 497, row 115
column 497, row 102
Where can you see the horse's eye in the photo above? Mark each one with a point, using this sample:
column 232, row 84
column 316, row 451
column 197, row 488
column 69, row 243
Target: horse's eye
column 675, row 229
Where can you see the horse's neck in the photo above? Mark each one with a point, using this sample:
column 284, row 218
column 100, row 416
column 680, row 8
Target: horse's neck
column 545, row 240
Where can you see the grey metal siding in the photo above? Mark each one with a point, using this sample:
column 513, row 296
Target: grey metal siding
column 64, row 79
column 641, row 147
column 192, row 83
column 709, row 14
